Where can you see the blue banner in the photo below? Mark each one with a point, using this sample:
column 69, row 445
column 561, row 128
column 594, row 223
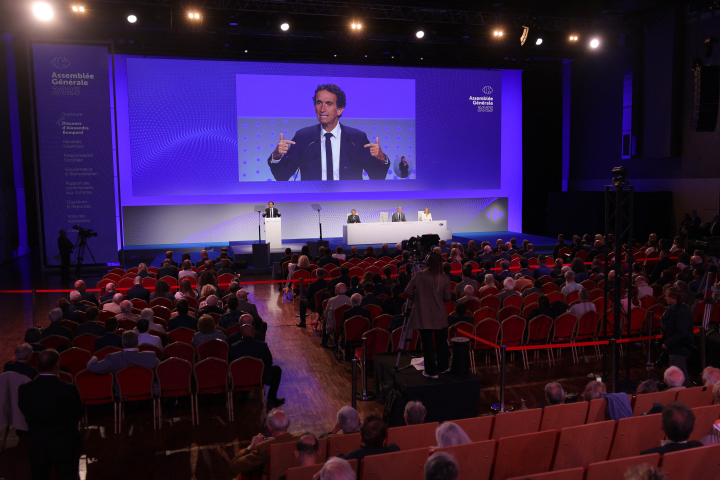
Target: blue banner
column 74, row 126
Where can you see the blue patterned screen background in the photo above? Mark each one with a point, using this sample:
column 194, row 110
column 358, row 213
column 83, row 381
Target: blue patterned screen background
column 184, row 124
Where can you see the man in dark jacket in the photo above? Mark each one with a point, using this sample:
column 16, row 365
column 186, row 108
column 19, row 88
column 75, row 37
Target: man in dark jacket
column 52, row 409
column 138, row 292
column 249, row 347
column 677, row 322
column 84, row 294
column 183, row 319
column 110, row 339
column 678, row 422
column 560, row 245
column 663, row 264
column 167, row 270
column 308, row 302
column 55, row 328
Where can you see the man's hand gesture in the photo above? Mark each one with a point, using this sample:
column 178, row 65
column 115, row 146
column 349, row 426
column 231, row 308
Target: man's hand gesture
column 375, row 149
column 282, row 147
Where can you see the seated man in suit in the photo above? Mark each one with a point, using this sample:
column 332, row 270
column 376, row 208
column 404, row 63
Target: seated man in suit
column 203, row 257
column 348, row 421
column 327, row 258
column 405, row 259
column 531, row 253
column 138, row 292
column 256, row 456
column 353, row 254
column 143, row 331
column 114, row 306
column 524, row 268
column 460, row 315
column 542, row 269
column 248, row 346
column 110, row 291
column 55, row 328
column 372, row 435
column 110, row 339
column 339, row 299
column 129, row 356
column 168, row 270
column 87, row 296
column 353, row 217
column 447, row 270
column 67, row 314
column 343, row 278
column 486, row 255
column 211, row 306
column 20, row 365
column 250, row 308
column 76, row 304
column 398, row 216
column 504, row 272
column 225, row 267
column 91, row 326
column 308, row 301
column 678, row 422
column 560, row 245
column 467, row 279
column 126, row 307
column 369, row 298
column 168, row 256
column 52, row 409
column 354, row 287
column 32, row 337
column 381, row 287
column 183, row 319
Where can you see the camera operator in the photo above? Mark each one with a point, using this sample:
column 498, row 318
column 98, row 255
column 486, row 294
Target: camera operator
column 66, row 247
column 430, row 289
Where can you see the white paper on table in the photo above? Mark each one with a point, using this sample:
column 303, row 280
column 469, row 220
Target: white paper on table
column 418, row 363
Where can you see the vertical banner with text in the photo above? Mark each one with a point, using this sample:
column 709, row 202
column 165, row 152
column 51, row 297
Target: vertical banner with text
column 74, row 135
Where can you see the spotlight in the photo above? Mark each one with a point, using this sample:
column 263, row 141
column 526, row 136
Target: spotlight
column 498, row 33
column 43, row 11
column 594, row 43
column 194, row 16
column 76, row 8
column 131, row 18
column 285, row 27
column 356, row 26
column 621, row 173
column 573, row 38
column 538, row 41
column 419, row 34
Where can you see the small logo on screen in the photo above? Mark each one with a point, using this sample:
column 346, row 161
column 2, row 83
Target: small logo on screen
column 495, row 214
column 60, row 62
column 442, row 224
column 487, row 90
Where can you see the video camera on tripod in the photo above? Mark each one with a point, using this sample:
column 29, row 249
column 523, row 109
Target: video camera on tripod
column 84, row 232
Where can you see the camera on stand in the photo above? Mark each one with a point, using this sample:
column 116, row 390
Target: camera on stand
column 84, row 232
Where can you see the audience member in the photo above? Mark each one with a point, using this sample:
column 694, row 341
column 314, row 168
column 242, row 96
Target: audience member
column 147, row 314
column 183, row 320
column 308, row 301
column 488, row 283
column 251, row 308
column 348, row 421
column 91, row 326
column 114, row 305
column 593, row 391
column 211, row 306
column 76, row 304
column 187, row 270
column 414, row 413
column 126, row 307
column 138, row 292
column 185, row 289
column 336, row 468
column 339, row 299
column 543, row 308
column 110, row 291
column 33, row 337
column 554, row 394
column 583, row 304
column 504, row 272
column 87, row 296
column 248, row 346
column 21, row 364
column 508, row 289
column 460, row 315
column 678, row 422
column 168, row 269
column 110, row 339
column 129, row 356
column 162, row 290
column 142, row 328
column 369, row 298
column 542, row 270
column 648, row 386
column 645, row 472
column 643, row 288
column 450, row 434
column 441, row 466
column 467, row 279
column 55, row 328
column 206, row 331
column 52, row 410
column 710, row 376
column 570, row 284
column 255, row 457
column 307, row 451
column 372, row 436
column 674, row 378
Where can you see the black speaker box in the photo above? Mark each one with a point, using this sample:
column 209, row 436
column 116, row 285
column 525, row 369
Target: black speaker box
column 706, row 97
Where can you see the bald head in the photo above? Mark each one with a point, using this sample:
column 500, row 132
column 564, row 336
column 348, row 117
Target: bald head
column 242, row 295
column 340, row 288
column 278, row 422
column 212, row 300
column 80, row 286
column 138, row 280
column 126, row 306
column 118, row 298
column 246, row 319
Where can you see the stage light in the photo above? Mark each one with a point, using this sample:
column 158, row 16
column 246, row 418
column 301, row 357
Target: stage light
column 594, row 43
column 76, row 8
column 285, row 27
column 573, row 38
column 43, row 11
column 194, row 16
column 498, row 33
column 538, row 41
column 356, row 26
column 131, row 18
column 420, row 34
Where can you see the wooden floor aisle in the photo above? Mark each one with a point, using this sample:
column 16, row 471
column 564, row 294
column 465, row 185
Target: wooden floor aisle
column 313, row 382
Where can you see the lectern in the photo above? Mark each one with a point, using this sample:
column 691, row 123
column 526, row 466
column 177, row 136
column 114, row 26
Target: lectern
column 273, row 232
column 261, row 251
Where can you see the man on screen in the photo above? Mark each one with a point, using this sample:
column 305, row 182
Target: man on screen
column 404, row 168
column 329, row 150
column 353, row 217
column 271, row 211
column 398, row 216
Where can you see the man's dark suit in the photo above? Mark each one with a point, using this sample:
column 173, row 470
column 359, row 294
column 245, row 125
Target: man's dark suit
column 595, row 252
column 89, row 297
column 183, row 321
column 503, row 275
column 138, row 292
column 93, row 328
column 106, row 298
column 305, row 155
column 249, row 347
column 344, row 279
column 672, row 447
column 110, row 339
column 542, row 270
column 201, row 262
column 559, row 246
column 662, row 265
column 353, row 219
column 382, row 289
column 531, row 254
column 328, row 259
column 74, row 315
column 56, row 329
column 398, row 217
column 52, row 409
column 168, row 271
column 371, row 299
column 21, row 368
column 275, row 212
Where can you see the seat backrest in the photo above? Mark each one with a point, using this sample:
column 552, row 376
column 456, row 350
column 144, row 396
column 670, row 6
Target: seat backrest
column 491, row 301
column 135, row 381
column 474, row 460
column 147, row 347
column 85, row 341
column 407, row 464
column 597, row 411
column 512, row 330
column 396, row 335
column 587, row 323
column 517, row 423
column 704, row 418
column 182, row 334
column 478, row 428
column 556, row 417
column 692, row 464
column 378, row 340
column 539, row 329
column 211, row 374
column 524, row 454
column 411, row 437
column 507, row 312
column 617, row 468
column 73, row 360
column 570, row 474
column 56, row 342
column 513, row 301
column 246, row 373
column 213, row 348
column 484, row 313
column 355, row 327
column 282, row 457
column 104, row 352
column 585, row 444
column 644, row 401
column 636, row 434
column 94, row 388
column 307, row 473
column 696, row 396
column 342, row 444
column 382, row 321
column 174, row 375
column 180, row 350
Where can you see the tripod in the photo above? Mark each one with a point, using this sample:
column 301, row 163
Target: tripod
column 83, row 246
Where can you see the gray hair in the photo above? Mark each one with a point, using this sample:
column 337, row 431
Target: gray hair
column 489, row 280
column 126, row 306
column 554, row 393
column 450, row 434
column 23, row 351
column 348, row 419
column 441, row 466
column 509, row 284
column 337, row 469
column 674, row 377
column 356, row 299
column 75, row 296
column 55, row 315
column 644, row 472
column 146, row 313
column 277, row 420
column 130, row 339
column 212, row 300
column 118, row 298
column 584, row 294
column 187, row 265
column 469, row 290
column 569, row 275
column 415, row 413
column 710, row 376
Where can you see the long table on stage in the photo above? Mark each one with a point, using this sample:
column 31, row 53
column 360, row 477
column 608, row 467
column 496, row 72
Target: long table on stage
column 392, row 232
column 450, row 397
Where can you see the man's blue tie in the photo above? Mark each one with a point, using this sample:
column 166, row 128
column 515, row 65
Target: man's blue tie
column 328, row 157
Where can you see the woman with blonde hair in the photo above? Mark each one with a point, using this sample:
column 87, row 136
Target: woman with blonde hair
column 454, row 256
column 143, row 271
column 426, row 216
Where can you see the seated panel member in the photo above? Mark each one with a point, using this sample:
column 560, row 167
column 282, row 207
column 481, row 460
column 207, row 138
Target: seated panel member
column 398, row 216
column 330, row 150
column 426, row 216
column 353, row 217
column 271, row 211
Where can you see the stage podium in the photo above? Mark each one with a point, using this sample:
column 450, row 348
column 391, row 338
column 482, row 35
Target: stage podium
column 273, row 232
